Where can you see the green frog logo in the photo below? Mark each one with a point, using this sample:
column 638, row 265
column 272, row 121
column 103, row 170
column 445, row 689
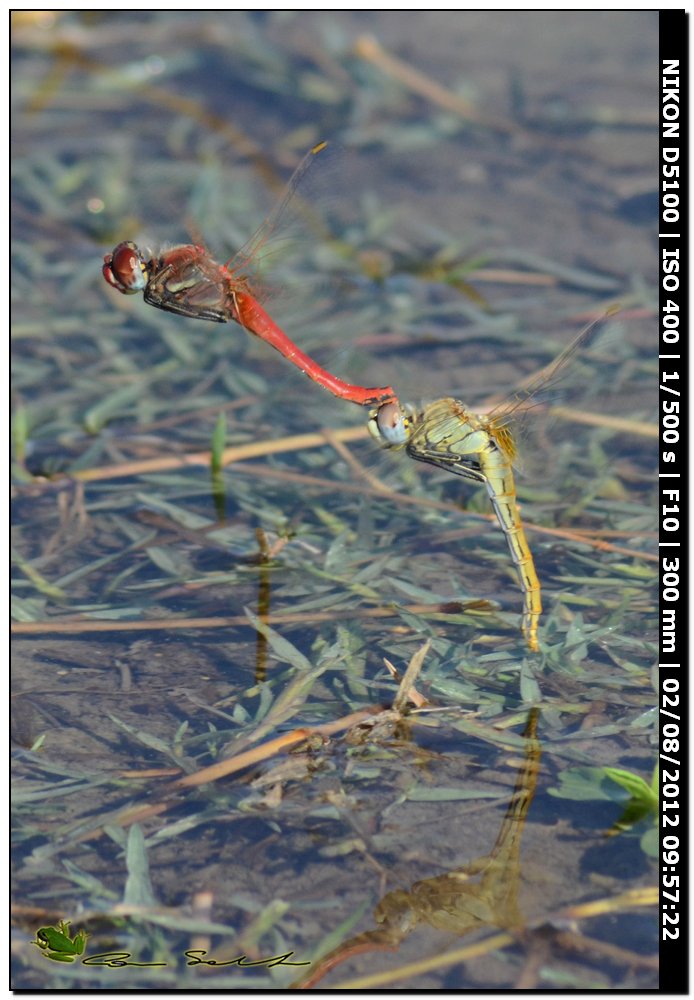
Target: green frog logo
column 56, row 943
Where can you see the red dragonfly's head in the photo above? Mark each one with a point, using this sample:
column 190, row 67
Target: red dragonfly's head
column 126, row 269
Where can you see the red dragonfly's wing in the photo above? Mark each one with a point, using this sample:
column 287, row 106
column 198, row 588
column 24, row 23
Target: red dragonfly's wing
column 243, row 260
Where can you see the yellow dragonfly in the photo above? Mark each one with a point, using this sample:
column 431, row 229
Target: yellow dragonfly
column 482, row 447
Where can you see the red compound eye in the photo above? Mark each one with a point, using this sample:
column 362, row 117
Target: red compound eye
column 125, row 269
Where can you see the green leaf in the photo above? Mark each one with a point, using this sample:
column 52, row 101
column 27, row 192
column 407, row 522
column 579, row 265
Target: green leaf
column 20, row 432
column 169, row 559
column 635, row 785
column 115, row 404
column 529, row 688
column 586, row 784
column 38, row 580
column 422, row 793
column 178, row 514
column 281, row 647
column 650, row 842
column 138, row 886
column 219, row 437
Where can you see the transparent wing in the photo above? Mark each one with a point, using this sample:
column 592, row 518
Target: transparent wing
column 448, row 435
column 543, row 386
column 245, row 260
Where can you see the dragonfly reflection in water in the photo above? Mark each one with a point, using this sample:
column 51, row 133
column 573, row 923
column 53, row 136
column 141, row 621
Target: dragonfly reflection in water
column 481, row 447
column 187, row 280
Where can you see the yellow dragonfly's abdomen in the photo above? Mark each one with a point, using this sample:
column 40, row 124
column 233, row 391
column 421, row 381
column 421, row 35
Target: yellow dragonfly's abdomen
column 447, row 435
column 502, row 492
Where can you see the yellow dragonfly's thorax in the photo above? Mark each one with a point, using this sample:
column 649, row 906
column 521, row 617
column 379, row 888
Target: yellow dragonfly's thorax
column 504, row 439
column 445, row 433
column 446, row 429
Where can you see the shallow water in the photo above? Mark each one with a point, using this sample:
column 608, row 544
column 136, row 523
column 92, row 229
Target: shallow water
column 477, row 228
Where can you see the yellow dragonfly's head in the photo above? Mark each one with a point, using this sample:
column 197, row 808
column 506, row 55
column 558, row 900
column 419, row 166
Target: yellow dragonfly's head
column 391, row 424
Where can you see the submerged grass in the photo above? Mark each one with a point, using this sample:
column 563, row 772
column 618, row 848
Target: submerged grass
column 209, row 746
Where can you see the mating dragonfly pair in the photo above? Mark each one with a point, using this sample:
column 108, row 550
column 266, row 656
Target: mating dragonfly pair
column 186, row 280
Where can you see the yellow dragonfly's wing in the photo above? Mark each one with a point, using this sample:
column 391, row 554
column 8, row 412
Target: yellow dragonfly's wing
column 447, row 434
column 542, row 386
column 540, row 389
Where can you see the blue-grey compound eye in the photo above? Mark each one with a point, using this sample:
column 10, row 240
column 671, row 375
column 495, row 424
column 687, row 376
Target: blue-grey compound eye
column 393, row 424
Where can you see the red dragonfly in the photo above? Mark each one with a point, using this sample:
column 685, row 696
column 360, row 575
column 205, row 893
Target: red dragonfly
column 188, row 281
